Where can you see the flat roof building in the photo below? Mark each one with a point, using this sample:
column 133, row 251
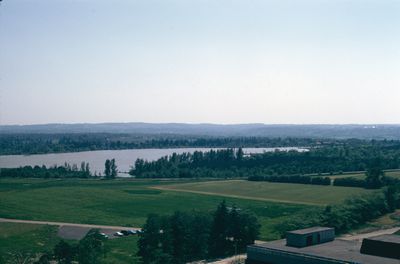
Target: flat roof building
column 310, row 236
column 333, row 251
column 384, row 246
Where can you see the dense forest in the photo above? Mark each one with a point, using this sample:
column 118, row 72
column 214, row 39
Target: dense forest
column 53, row 143
column 335, row 158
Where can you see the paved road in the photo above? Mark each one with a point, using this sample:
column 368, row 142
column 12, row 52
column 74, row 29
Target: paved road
column 66, row 224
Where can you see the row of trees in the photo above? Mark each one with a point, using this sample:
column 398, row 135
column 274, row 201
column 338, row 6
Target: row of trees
column 374, row 178
column 65, row 171
column 71, row 142
column 315, row 180
column 184, row 237
column 350, row 214
column 318, row 160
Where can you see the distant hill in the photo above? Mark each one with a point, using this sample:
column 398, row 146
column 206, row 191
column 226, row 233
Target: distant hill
column 217, row 130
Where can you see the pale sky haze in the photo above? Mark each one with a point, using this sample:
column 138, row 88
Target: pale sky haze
column 214, row 61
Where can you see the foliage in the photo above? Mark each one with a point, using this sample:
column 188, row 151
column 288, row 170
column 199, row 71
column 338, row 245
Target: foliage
column 91, row 247
column 110, row 169
column 65, row 171
column 374, row 175
column 64, row 253
column 184, row 237
column 353, row 212
column 293, row 179
column 227, row 163
column 349, row 182
column 35, row 143
column 38, row 245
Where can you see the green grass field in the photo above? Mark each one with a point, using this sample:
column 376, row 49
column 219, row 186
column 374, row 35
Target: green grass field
column 120, row 202
column 268, row 191
column 128, row 202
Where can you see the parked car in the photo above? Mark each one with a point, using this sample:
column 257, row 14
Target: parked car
column 119, row 234
column 132, row 232
column 104, row 235
column 125, row 232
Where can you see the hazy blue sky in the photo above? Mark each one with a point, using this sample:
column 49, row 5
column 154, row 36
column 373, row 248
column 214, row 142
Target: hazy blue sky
column 246, row 61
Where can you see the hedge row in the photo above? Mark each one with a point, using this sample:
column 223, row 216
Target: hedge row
column 293, row 179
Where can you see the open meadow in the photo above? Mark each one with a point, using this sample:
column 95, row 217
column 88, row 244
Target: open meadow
column 128, row 202
column 270, row 191
column 122, row 202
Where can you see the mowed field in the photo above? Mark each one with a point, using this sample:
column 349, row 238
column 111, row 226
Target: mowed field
column 128, row 202
column 122, row 202
column 269, row 191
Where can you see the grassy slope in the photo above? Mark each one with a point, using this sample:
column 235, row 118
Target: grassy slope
column 119, row 202
column 127, row 202
column 283, row 192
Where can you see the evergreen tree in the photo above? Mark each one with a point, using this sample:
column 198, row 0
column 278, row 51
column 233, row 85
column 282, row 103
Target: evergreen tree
column 219, row 243
column 113, row 169
column 91, row 247
column 64, row 253
column 152, row 246
column 107, row 169
column 374, row 175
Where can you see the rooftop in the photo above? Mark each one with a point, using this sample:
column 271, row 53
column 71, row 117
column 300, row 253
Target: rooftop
column 387, row 238
column 338, row 249
column 310, row 230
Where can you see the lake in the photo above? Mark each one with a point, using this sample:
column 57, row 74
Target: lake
column 124, row 158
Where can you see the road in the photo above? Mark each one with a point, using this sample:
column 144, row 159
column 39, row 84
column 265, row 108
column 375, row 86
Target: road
column 6, row 220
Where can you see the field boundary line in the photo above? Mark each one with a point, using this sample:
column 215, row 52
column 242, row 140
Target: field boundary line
column 236, row 196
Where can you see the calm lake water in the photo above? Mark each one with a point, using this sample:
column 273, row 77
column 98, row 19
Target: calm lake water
column 124, row 158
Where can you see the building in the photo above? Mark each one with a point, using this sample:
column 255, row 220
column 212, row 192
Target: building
column 309, row 236
column 318, row 245
column 384, row 246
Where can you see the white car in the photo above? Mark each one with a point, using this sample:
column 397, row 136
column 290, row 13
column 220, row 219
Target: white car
column 118, row 234
column 132, row 232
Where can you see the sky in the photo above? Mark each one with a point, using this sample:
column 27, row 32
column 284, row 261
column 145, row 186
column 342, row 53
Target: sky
column 200, row 61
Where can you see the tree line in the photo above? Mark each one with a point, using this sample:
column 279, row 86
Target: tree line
column 315, row 180
column 351, row 213
column 225, row 163
column 184, row 237
column 72, row 142
column 64, row 171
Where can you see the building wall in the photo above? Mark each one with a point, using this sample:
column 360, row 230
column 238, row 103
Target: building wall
column 300, row 240
column 257, row 255
column 381, row 248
